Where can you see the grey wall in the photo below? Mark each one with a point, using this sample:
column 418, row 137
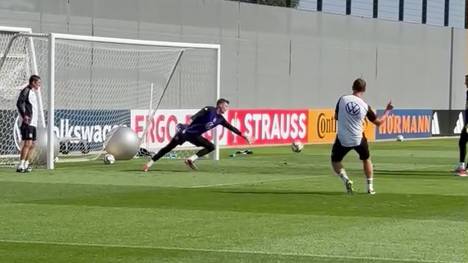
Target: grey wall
column 277, row 57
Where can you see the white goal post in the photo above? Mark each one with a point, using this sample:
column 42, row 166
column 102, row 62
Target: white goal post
column 107, row 61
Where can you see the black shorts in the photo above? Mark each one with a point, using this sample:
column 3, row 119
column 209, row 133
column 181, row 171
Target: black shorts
column 28, row 132
column 196, row 140
column 339, row 151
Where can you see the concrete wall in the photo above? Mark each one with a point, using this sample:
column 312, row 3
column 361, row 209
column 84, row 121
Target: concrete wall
column 277, row 57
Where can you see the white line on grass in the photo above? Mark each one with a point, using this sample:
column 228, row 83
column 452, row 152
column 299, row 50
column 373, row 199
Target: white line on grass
column 233, row 251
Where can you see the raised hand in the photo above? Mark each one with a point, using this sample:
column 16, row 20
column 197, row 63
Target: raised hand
column 389, row 106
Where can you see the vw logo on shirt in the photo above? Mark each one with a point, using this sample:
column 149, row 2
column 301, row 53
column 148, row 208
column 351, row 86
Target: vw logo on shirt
column 353, row 108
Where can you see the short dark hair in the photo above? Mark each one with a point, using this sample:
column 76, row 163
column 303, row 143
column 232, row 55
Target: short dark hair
column 359, row 85
column 34, row 78
column 222, row 101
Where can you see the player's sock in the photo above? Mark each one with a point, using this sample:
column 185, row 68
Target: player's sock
column 26, row 164
column 370, row 185
column 150, row 163
column 193, row 158
column 462, row 166
column 343, row 175
column 22, row 163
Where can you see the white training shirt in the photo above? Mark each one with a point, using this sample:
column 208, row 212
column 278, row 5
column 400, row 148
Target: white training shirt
column 351, row 111
column 33, row 100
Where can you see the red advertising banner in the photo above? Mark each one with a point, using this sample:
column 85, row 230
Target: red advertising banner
column 162, row 127
column 268, row 126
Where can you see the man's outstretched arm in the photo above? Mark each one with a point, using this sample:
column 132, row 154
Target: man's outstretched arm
column 229, row 126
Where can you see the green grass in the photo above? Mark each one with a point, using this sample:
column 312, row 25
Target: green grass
column 272, row 206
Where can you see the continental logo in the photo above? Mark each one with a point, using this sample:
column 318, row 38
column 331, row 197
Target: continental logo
column 325, row 125
column 322, row 127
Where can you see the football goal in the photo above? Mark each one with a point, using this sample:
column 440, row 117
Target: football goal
column 92, row 84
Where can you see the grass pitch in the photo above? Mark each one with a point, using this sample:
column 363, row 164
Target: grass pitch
column 272, row 206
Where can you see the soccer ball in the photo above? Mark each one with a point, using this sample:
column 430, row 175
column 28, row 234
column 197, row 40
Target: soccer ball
column 297, row 146
column 109, row 159
column 400, row 138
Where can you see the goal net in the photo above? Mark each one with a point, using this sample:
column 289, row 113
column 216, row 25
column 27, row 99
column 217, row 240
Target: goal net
column 16, row 67
column 93, row 84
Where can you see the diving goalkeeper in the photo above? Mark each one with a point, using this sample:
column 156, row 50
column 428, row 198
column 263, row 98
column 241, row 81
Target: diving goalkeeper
column 204, row 120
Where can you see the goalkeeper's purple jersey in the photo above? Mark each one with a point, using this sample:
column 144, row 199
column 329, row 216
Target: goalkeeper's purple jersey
column 205, row 120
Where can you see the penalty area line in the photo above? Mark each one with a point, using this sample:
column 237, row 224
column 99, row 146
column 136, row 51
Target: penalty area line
column 208, row 250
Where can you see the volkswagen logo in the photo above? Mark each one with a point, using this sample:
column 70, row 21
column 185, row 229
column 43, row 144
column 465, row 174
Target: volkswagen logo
column 353, row 108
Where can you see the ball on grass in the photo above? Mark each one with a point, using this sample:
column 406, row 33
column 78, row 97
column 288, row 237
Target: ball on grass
column 297, row 146
column 109, row 159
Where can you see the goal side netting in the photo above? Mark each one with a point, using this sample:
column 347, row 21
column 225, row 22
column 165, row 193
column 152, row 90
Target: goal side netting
column 17, row 64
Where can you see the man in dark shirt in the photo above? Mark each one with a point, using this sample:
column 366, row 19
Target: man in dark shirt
column 461, row 168
column 27, row 106
column 204, row 120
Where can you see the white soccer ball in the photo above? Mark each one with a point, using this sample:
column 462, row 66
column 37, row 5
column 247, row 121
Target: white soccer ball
column 109, row 159
column 297, row 146
column 400, row 138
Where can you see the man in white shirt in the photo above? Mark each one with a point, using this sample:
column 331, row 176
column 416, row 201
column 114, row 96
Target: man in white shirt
column 27, row 106
column 351, row 111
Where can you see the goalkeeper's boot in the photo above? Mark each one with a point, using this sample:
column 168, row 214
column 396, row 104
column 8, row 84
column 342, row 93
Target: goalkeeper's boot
column 191, row 164
column 349, row 186
column 460, row 171
column 371, row 191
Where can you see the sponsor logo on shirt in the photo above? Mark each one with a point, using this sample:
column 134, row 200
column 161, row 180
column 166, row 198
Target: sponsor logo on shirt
column 353, row 108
